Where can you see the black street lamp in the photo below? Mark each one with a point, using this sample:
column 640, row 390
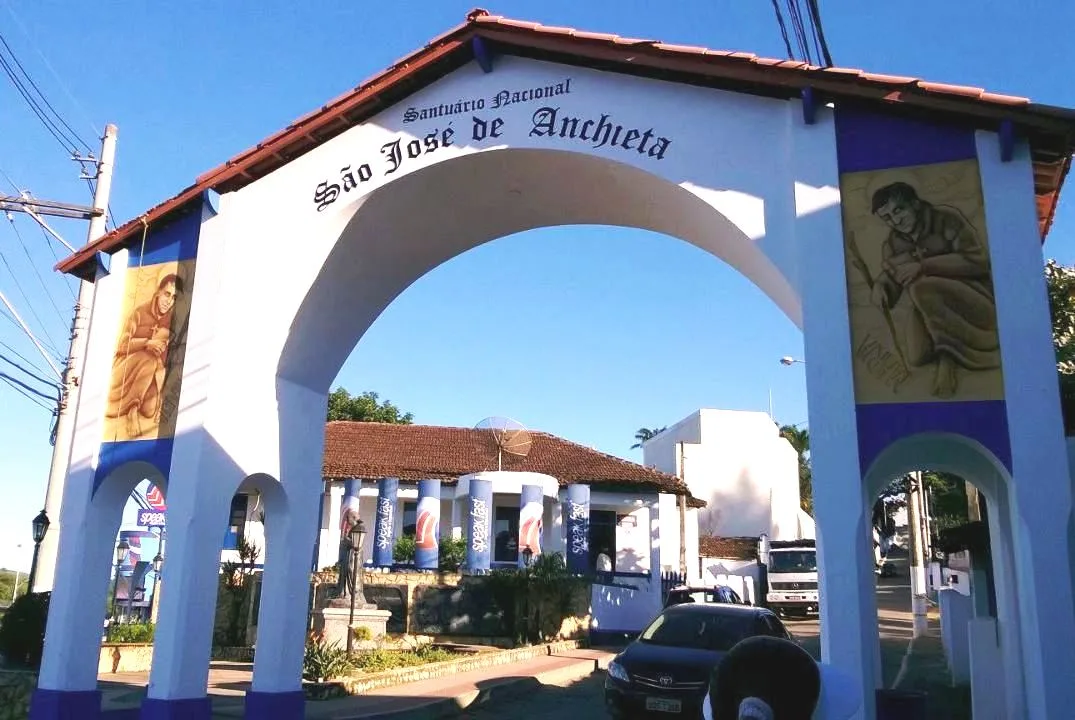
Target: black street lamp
column 40, row 526
column 355, row 539
column 122, row 549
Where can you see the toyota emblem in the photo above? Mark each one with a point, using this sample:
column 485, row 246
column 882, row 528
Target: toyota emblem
column 664, row 680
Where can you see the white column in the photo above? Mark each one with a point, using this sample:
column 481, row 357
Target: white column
column 86, row 547
column 1042, row 493
column 201, row 484
column 846, row 585
column 278, row 661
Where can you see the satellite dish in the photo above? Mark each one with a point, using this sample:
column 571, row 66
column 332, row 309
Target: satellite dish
column 506, row 436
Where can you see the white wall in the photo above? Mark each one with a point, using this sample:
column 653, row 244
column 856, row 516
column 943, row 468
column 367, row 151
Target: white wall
column 740, row 465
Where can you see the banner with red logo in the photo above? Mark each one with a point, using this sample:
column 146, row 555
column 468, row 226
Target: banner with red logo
column 427, row 526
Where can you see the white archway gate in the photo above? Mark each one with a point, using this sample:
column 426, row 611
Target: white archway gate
column 211, row 355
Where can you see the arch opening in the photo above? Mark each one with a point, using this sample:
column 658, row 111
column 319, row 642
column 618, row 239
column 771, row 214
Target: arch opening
column 944, row 544
column 402, row 231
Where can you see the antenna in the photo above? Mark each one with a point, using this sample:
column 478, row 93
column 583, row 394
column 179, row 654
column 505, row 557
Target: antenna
column 507, row 436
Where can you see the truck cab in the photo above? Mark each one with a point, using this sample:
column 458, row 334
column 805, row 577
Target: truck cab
column 792, row 577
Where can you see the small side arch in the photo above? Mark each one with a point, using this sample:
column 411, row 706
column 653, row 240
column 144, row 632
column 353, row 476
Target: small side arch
column 972, row 461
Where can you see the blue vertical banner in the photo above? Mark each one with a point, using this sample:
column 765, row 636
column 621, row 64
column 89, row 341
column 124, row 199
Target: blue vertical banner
column 531, row 510
column 427, row 526
column 384, row 536
column 576, row 518
column 479, row 526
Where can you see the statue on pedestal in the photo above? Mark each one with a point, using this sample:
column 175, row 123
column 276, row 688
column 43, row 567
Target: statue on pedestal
column 349, row 581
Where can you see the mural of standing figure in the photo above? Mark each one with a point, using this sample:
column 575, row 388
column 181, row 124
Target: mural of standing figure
column 141, row 361
column 934, row 261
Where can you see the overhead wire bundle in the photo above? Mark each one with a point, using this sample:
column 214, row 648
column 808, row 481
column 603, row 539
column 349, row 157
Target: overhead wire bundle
column 810, row 45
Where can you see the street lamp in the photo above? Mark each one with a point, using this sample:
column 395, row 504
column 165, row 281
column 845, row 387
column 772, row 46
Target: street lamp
column 122, row 550
column 788, row 360
column 40, row 526
column 158, row 563
column 354, row 540
column 528, row 555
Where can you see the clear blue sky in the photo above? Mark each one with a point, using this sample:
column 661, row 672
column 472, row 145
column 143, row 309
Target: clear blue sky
column 588, row 333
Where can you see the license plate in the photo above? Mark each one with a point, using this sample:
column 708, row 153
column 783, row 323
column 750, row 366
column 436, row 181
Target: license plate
column 664, row 705
column 796, row 597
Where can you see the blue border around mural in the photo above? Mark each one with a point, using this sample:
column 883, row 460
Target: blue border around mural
column 176, row 241
column 868, row 141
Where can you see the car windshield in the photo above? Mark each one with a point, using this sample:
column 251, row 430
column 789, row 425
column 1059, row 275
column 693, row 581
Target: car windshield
column 698, row 630
column 798, row 561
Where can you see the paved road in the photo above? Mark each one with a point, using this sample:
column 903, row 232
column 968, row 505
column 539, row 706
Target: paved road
column 584, row 699
column 580, row 699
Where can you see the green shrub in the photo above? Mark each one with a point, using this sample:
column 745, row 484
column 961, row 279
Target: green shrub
column 324, row 661
column 15, row 696
column 362, row 633
column 453, row 551
column 22, row 630
column 403, row 551
column 379, row 660
column 131, row 633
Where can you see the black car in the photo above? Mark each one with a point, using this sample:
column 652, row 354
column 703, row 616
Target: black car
column 687, row 594
column 665, row 672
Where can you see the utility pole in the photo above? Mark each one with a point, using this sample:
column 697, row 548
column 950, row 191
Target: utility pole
column 918, row 569
column 72, row 376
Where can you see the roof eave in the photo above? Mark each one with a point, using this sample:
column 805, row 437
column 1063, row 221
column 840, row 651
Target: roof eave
column 1051, row 130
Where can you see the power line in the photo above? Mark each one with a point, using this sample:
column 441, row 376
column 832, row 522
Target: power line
column 51, row 345
column 73, row 134
column 52, row 70
column 30, row 374
column 17, row 354
column 37, row 274
column 50, row 126
column 26, row 387
column 807, row 28
column 783, row 29
column 26, row 391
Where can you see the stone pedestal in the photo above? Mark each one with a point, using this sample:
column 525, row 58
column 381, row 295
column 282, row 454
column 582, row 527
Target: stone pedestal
column 332, row 621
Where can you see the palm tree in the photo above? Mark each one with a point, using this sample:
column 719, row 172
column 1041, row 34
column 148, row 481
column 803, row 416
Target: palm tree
column 645, row 434
column 799, row 437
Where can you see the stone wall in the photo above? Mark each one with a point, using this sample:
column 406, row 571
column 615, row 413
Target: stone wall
column 450, row 604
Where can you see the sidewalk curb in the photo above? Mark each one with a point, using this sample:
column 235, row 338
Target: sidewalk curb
column 480, row 698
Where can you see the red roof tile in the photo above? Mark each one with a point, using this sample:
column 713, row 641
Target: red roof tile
column 1050, row 130
column 728, row 548
column 413, row 452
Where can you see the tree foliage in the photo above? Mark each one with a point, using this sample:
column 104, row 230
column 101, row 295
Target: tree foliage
column 367, row 407
column 22, row 629
column 947, row 498
column 644, row 434
column 7, row 586
column 799, row 437
column 1060, row 285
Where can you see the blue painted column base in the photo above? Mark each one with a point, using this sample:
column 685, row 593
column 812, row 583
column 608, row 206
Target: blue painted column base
column 65, row 704
column 178, row 709
column 275, row 705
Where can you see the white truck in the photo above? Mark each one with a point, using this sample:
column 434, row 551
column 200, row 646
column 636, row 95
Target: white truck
column 792, row 576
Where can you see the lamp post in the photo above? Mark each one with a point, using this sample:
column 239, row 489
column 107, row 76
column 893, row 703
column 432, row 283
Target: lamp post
column 40, row 526
column 528, row 556
column 158, row 563
column 354, row 540
column 121, row 557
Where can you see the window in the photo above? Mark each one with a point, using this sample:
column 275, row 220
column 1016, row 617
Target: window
column 603, row 538
column 410, row 518
column 236, row 522
column 506, row 534
column 698, row 630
